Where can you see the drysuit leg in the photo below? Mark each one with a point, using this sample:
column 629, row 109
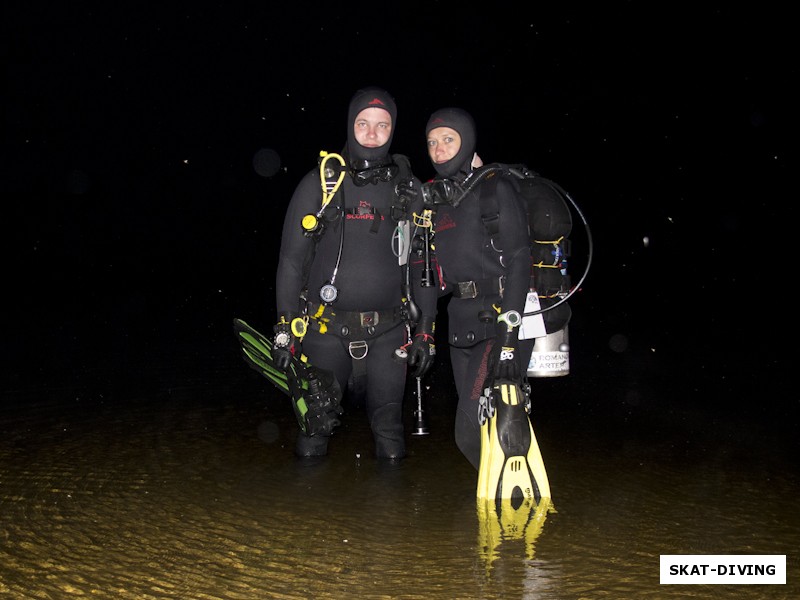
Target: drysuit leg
column 469, row 373
column 385, row 387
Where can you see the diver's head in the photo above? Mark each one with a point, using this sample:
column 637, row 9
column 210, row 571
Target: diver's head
column 371, row 120
column 451, row 141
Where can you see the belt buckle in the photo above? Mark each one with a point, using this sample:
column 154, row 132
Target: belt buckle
column 369, row 319
column 467, row 289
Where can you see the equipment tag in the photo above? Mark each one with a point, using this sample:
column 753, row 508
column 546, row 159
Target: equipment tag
column 402, row 240
column 532, row 325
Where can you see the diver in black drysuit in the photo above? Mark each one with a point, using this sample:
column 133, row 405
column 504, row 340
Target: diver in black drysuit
column 355, row 336
column 486, row 276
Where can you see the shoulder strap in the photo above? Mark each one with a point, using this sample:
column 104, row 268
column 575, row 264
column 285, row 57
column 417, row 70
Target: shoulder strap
column 400, row 208
column 490, row 213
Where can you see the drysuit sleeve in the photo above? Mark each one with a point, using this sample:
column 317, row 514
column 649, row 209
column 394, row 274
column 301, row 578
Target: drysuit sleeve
column 514, row 238
column 297, row 250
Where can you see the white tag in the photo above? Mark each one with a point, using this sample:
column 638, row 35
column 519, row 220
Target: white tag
column 533, row 325
column 402, row 241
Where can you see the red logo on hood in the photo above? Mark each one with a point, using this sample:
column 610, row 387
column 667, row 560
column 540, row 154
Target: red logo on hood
column 376, row 101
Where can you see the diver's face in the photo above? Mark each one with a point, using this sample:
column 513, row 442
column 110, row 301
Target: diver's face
column 373, row 127
column 443, row 144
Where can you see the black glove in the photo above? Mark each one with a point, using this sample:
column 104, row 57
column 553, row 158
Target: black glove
column 422, row 351
column 503, row 363
column 285, row 344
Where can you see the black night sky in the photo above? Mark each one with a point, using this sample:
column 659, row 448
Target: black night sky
column 134, row 217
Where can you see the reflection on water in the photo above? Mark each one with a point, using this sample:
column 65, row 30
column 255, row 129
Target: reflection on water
column 509, row 522
column 189, row 490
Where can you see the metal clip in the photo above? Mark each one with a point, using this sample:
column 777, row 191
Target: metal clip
column 357, row 347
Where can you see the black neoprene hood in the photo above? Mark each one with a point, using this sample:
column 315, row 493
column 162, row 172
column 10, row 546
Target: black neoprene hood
column 369, row 97
column 461, row 121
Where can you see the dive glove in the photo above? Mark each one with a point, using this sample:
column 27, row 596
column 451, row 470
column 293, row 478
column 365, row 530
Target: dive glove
column 503, row 361
column 286, row 343
column 422, row 351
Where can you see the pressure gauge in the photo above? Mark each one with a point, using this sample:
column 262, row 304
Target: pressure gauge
column 328, row 293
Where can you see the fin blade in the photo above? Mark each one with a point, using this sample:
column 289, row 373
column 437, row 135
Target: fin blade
column 511, row 465
column 256, row 351
column 536, row 465
column 324, row 397
column 485, row 461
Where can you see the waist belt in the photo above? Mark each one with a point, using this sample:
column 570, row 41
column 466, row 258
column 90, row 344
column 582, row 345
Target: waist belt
column 353, row 324
column 482, row 287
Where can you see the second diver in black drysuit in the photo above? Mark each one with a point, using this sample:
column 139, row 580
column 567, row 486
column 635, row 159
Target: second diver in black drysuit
column 487, row 275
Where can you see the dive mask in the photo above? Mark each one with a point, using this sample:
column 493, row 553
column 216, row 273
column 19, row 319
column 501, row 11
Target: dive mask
column 371, row 171
column 442, row 191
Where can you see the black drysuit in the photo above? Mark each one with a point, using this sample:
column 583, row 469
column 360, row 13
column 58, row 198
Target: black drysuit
column 486, row 274
column 357, row 253
column 475, row 268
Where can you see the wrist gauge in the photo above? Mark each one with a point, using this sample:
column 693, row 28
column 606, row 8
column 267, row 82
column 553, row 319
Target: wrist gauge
column 512, row 318
column 282, row 339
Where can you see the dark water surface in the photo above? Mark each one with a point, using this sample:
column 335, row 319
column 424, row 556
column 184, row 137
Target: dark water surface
column 164, row 469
